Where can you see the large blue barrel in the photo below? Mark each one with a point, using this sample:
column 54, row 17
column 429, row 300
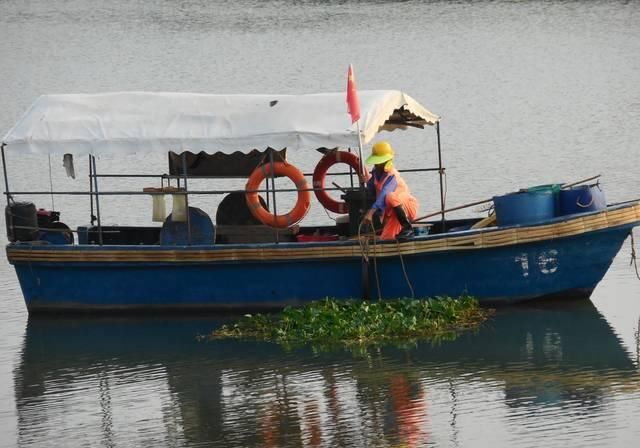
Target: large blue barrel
column 525, row 207
column 176, row 233
column 57, row 233
column 582, row 198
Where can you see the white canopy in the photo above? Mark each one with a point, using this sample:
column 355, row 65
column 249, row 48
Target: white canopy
column 129, row 122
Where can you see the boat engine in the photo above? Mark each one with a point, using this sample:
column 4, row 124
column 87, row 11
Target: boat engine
column 358, row 202
column 22, row 221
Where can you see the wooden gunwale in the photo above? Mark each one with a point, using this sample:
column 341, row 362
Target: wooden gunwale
column 481, row 239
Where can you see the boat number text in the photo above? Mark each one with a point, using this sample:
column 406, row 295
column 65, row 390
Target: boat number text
column 546, row 261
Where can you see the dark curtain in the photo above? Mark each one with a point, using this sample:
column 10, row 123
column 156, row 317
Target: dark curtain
column 219, row 164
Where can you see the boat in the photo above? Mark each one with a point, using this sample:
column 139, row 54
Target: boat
column 531, row 247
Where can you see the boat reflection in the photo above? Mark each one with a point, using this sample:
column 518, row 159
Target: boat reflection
column 150, row 381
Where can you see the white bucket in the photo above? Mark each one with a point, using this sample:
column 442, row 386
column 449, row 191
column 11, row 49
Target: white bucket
column 159, row 208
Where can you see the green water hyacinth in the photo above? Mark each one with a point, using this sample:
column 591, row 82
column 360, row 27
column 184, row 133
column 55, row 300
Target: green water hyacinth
column 349, row 322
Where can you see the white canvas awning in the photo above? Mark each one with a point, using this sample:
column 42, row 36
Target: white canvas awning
column 130, row 122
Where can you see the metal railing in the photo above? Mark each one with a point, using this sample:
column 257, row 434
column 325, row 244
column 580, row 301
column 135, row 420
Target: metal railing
column 94, row 193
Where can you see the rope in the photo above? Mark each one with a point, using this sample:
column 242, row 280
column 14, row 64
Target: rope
column 404, row 271
column 634, row 261
column 364, row 249
column 328, row 215
column 375, row 262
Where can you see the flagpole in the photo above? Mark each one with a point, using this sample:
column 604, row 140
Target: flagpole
column 353, row 107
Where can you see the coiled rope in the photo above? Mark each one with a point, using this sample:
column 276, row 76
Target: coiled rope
column 364, row 241
column 404, row 270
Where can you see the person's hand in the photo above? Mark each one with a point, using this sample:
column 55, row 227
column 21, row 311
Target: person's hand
column 368, row 217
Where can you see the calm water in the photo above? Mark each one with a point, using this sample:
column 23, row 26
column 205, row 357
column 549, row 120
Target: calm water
column 530, row 93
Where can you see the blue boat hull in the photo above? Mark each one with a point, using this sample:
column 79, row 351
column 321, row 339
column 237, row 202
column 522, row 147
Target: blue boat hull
column 75, row 278
column 498, row 275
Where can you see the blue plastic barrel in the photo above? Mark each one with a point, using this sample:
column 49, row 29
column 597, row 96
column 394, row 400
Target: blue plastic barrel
column 525, row 207
column 554, row 189
column 582, row 198
column 59, row 234
column 177, row 234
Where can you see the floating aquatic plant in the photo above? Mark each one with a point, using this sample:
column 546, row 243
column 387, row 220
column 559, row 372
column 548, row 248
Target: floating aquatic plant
column 351, row 322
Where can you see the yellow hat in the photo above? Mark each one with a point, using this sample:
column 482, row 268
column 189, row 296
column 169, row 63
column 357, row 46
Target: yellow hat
column 380, row 152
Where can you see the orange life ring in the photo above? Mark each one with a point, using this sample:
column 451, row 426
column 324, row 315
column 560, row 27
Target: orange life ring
column 262, row 214
column 320, row 172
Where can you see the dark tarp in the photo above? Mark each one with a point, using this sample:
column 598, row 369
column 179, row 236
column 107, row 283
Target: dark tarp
column 237, row 164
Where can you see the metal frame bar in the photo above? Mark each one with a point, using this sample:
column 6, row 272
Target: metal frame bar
column 92, row 217
column 6, row 179
column 53, row 203
column 267, row 195
column 441, row 174
column 97, row 194
column 273, row 184
column 167, row 176
column 186, row 197
column 198, row 192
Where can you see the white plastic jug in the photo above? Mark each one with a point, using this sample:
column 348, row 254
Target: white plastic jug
column 179, row 212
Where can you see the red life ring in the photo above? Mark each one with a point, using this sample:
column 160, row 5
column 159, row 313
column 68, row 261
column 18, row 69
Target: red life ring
column 262, row 214
column 320, row 172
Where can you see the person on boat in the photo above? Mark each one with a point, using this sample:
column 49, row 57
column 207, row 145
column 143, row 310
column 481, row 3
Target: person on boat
column 394, row 202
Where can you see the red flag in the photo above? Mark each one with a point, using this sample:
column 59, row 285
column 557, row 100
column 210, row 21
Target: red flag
column 353, row 105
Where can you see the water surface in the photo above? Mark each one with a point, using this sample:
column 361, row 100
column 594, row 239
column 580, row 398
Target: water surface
column 530, row 372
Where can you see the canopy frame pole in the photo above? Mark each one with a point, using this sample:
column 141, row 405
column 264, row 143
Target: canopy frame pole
column 273, row 184
column 267, row 194
column 97, row 194
column 186, row 195
column 441, row 175
column 92, row 217
column 53, row 204
column 6, row 179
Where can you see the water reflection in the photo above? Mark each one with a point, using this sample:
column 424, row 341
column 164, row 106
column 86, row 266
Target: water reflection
column 141, row 381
